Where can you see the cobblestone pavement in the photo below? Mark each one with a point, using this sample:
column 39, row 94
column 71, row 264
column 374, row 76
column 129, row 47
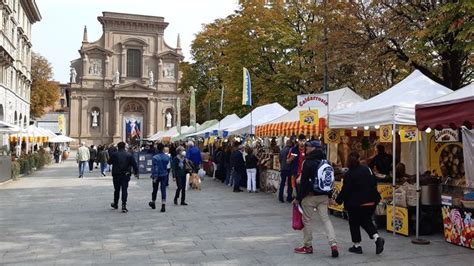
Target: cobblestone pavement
column 54, row 218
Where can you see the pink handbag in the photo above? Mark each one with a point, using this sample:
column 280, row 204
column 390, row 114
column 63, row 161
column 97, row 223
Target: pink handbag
column 297, row 218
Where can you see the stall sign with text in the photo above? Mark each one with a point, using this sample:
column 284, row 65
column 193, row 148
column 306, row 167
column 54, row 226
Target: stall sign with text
column 312, row 100
column 446, row 135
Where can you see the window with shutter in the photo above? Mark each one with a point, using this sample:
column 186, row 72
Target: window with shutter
column 134, row 63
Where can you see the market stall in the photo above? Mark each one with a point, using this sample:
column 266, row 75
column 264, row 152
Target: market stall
column 226, row 122
column 289, row 123
column 258, row 116
column 452, row 116
column 389, row 113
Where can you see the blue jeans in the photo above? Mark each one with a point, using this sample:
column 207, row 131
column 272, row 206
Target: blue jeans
column 163, row 180
column 82, row 165
column 236, row 180
column 103, row 167
column 228, row 174
column 285, row 175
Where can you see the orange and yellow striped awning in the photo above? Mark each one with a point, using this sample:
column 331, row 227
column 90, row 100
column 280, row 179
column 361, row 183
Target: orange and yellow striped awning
column 290, row 128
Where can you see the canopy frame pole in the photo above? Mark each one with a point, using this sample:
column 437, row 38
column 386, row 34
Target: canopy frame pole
column 394, row 155
column 418, row 240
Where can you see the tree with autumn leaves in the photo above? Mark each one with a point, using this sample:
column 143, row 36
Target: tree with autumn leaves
column 44, row 91
column 367, row 46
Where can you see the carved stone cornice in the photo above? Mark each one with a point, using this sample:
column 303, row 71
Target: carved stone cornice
column 120, row 22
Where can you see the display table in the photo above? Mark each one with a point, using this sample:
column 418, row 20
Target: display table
column 458, row 226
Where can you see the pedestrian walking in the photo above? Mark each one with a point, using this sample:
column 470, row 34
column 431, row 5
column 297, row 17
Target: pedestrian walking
column 122, row 165
column 285, row 173
column 102, row 158
column 112, row 149
column 57, row 154
column 166, row 150
column 239, row 170
column 313, row 202
column 360, row 197
column 181, row 167
column 92, row 158
column 159, row 176
column 251, row 162
column 194, row 155
column 82, row 158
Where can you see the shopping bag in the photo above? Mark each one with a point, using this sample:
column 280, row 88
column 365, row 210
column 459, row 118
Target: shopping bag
column 297, row 218
column 202, row 173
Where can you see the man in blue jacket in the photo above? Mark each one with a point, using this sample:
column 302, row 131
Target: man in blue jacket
column 194, row 155
column 159, row 174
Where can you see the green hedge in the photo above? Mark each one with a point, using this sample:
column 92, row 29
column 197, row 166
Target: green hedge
column 28, row 162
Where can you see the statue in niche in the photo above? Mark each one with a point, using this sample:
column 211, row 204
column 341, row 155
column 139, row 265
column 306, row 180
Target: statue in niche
column 116, row 78
column 168, row 70
column 72, row 75
column 95, row 115
column 169, row 119
column 95, row 68
column 151, row 79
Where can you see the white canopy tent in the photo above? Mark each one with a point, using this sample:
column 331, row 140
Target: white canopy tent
column 61, row 139
column 7, row 128
column 258, row 116
column 226, row 122
column 393, row 106
column 204, row 126
column 338, row 99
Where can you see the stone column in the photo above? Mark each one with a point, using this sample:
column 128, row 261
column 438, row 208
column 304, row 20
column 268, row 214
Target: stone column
column 150, row 128
column 74, row 112
column 123, row 71
column 117, row 117
column 158, row 115
column 105, row 118
column 84, row 117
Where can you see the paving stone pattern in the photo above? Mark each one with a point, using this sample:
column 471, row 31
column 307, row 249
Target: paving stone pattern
column 54, row 218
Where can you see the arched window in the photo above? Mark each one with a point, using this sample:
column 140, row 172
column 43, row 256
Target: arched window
column 20, row 120
column 15, row 119
column 134, row 63
column 2, row 117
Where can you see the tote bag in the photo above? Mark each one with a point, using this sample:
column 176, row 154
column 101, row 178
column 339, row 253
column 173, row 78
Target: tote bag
column 297, row 218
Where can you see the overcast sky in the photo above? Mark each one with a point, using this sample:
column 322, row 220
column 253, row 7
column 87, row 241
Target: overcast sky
column 58, row 35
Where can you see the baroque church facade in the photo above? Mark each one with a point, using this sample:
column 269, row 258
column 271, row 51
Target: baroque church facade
column 124, row 86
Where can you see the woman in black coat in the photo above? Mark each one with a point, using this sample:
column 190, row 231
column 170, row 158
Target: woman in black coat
column 360, row 197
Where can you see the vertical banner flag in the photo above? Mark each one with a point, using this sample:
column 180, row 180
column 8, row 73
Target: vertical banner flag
column 385, row 133
column 192, row 108
column 178, row 118
column 247, row 89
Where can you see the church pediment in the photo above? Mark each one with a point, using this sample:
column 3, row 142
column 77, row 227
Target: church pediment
column 170, row 54
column 96, row 49
column 134, row 86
